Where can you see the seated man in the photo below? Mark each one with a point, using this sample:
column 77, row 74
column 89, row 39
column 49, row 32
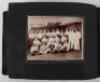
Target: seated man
column 35, row 46
column 65, row 43
column 51, row 44
column 43, row 47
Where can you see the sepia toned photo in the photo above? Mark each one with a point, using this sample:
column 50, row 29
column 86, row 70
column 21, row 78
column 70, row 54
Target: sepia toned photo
column 55, row 38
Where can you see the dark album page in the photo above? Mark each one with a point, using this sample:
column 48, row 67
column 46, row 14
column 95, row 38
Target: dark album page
column 98, row 28
column 52, row 41
column 4, row 43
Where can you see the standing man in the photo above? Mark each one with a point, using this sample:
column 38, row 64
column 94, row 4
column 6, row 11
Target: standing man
column 77, row 40
column 67, row 34
column 31, row 34
column 40, row 35
column 71, row 38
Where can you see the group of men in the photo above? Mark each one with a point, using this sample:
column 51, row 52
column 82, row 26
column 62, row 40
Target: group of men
column 54, row 40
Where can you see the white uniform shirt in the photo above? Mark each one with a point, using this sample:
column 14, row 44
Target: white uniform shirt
column 39, row 35
column 57, row 32
column 48, row 34
column 63, row 39
column 51, row 39
column 32, row 35
column 57, row 39
column 36, row 42
column 44, row 40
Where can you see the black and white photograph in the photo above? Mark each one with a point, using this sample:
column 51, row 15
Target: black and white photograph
column 55, row 38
